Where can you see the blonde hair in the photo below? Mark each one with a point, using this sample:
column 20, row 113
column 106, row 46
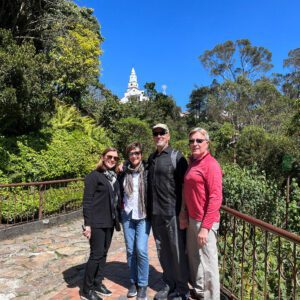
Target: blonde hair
column 200, row 130
column 100, row 165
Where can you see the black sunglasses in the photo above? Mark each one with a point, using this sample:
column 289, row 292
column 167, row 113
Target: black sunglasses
column 157, row 133
column 198, row 141
column 110, row 157
column 136, row 153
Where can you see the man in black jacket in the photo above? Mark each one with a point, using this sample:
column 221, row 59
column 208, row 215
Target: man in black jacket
column 166, row 171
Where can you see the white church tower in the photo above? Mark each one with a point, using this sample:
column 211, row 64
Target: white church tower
column 133, row 91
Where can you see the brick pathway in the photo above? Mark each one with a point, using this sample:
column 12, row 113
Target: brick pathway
column 49, row 264
column 116, row 274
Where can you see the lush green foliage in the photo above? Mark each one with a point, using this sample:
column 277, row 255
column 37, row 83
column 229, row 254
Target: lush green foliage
column 24, row 203
column 25, row 101
column 130, row 130
column 48, row 49
column 75, row 58
column 70, row 148
column 252, row 193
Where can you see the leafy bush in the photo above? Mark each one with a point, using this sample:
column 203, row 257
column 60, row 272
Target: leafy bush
column 25, row 84
column 69, row 149
column 250, row 192
column 129, row 130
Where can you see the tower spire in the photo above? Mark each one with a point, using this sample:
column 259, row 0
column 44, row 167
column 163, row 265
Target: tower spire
column 133, row 80
column 133, row 91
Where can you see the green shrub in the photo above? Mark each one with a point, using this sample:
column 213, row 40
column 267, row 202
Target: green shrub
column 21, row 203
column 250, row 192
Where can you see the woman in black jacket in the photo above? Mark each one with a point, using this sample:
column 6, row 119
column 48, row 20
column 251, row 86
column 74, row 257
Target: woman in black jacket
column 136, row 226
column 101, row 195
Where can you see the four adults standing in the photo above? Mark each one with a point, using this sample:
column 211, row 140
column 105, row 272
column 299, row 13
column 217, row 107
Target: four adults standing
column 154, row 192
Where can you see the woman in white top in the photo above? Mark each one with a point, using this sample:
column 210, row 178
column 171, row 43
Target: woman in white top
column 136, row 226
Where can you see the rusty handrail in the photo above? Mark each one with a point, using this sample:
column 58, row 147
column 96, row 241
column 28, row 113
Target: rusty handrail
column 27, row 202
column 266, row 226
column 39, row 182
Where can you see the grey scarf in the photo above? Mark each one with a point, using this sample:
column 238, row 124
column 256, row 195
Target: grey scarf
column 128, row 184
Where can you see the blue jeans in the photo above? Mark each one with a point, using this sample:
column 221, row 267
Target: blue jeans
column 136, row 233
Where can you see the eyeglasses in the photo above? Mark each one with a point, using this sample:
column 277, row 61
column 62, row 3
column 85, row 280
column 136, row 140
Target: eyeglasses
column 198, row 141
column 136, row 153
column 110, row 157
column 157, row 133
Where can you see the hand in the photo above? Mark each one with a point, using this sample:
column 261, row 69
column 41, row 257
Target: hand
column 120, row 167
column 202, row 237
column 183, row 220
column 87, row 232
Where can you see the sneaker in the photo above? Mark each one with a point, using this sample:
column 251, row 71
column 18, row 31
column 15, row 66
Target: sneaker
column 163, row 293
column 132, row 292
column 91, row 295
column 142, row 293
column 102, row 290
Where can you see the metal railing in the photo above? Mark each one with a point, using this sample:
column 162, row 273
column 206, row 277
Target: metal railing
column 257, row 259
column 26, row 202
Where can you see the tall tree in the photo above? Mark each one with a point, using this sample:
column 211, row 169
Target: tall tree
column 197, row 107
column 76, row 63
column 291, row 81
column 25, row 86
column 233, row 59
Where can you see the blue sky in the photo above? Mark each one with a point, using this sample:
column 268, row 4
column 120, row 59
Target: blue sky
column 162, row 39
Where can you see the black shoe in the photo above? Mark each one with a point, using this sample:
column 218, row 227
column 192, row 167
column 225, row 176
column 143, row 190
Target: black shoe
column 163, row 293
column 177, row 296
column 196, row 296
column 91, row 295
column 102, row 290
column 142, row 293
column 132, row 292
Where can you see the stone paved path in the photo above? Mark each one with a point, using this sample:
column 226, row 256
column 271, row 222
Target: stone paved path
column 50, row 264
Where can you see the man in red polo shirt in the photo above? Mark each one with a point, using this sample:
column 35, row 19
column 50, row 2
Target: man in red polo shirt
column 201, row 216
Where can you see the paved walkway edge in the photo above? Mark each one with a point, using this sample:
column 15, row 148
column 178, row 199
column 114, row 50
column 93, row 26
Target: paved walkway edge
column 27, row 228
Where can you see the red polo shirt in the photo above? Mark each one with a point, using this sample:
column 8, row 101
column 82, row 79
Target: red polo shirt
column 203, row 190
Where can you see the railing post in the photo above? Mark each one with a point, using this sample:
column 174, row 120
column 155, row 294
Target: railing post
column 40, row 203
column 287, row 201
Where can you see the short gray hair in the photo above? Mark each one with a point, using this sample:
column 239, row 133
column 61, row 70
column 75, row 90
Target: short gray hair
column 201, row 130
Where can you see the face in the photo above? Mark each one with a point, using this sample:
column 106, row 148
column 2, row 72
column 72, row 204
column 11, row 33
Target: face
column 135, row 156
column 161, row 138
column 198, row 144
column 110, row 159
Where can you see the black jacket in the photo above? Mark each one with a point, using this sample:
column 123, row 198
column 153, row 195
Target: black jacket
column 99, row 207
column 121, row 179
column 165, row 182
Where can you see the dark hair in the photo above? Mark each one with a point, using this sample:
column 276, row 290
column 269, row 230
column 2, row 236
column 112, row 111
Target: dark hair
column 132, row 146
column 100, row 165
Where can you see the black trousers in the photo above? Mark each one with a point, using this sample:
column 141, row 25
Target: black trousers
column 170, row 244
column 99, row 244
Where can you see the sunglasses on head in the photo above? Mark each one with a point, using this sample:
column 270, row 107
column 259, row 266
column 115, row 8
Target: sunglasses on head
column 198, row 141
column 157, row 133
column 136, row 153
column 110, row 157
